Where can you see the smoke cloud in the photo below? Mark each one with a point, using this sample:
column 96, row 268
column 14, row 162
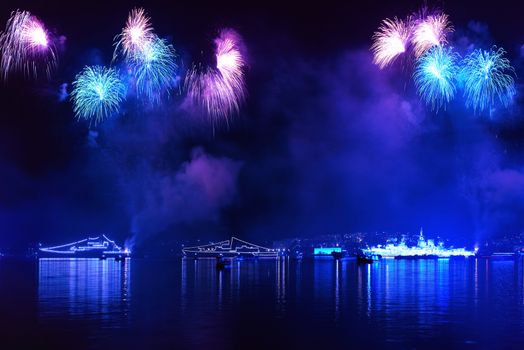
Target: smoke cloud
column 196, row 192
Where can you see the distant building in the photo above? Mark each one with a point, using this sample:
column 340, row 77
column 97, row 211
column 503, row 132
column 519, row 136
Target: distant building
column 326, row 251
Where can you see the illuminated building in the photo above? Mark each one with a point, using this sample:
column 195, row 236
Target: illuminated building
column 97, row 247
column 326, row 251
column 232, row 248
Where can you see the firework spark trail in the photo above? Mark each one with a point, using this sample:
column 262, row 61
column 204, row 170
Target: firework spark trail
column 135, row 36
column 219, row 91
column 26, row 46
column 155, row 69
column 97, row 93
column 430, row 31
column 435, row 76
column 487, row 76
column 390, row 41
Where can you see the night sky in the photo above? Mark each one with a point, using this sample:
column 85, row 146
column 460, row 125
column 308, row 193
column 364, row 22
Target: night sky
column 325, row 143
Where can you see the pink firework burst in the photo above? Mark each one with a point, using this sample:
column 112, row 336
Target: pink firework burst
column 431, row 30
column 390, row 41
column 35, row 35
column 135, row 36
column 26, row 45
column 219, row 91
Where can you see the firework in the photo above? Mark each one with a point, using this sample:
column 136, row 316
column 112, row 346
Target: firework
column 97, row 93
column 390, row 41
column 435, row 76
column 488, row 76
column 220, row 90
column 154, row 69
column 430, row 31
column 135, row 36
column 26, row 46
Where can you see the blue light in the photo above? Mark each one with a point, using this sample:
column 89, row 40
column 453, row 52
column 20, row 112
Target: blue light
column 326, row 250
column 435, row 76
column 488, row 79
column 155, row 70
column 97, row 93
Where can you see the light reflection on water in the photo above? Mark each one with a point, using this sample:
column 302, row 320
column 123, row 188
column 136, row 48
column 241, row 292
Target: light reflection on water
column 85, row 289
column 450, row 303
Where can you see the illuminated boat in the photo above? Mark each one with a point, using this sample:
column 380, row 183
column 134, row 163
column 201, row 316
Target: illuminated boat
column 338, row 255
column 364, row 258
column 425, row 249
column 417, row 257
column 233, row 248
column 98, row 247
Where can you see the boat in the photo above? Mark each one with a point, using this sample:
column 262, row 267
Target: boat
column 425, row 249
column 297, row 255
column 338, row 255
column 417, row 257
column 363, row 258
column 223, row 263
column 99, row 247
column 366, row 257
column 233, row 248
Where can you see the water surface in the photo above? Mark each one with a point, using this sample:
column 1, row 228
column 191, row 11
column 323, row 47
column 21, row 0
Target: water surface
column 188, row 304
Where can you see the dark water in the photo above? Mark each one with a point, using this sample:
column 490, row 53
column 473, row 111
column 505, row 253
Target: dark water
column 153, row 304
